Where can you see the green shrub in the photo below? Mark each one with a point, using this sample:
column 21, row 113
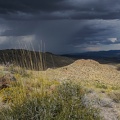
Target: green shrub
column 64, row 103
column 101, row 85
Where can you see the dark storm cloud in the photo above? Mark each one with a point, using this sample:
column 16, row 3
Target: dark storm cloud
column 60, row 36
column 63, row 25
column 96, row 33
column 19, row 28
column 28, row 6
column 60, row 9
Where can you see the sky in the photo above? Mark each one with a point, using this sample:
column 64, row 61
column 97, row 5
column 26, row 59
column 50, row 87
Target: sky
column 60, row 26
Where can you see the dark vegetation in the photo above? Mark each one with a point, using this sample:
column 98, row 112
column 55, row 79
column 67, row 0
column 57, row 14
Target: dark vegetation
column 32, row 59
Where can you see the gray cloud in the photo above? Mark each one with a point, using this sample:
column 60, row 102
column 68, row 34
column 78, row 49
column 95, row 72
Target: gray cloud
column 60, row 9
column 63, row 25
column 60, row 36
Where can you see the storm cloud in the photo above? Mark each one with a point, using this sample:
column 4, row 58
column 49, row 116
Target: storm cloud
column 64, row 26
column 60, row 9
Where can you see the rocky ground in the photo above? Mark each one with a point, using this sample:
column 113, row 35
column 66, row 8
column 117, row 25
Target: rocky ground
column 87, row 70
column 101, row 81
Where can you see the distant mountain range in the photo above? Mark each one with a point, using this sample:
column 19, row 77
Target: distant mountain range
column 101, row 56
column 32, row 59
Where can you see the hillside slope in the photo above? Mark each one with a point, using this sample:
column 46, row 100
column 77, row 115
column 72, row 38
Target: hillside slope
column 102, row 82
column 33, row 60
column 88, row 70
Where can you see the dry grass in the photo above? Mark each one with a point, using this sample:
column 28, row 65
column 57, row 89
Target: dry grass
column 35, row 98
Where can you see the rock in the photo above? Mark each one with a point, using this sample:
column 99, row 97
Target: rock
column 106, row 102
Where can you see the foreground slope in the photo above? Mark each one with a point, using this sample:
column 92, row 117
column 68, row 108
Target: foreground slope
column 102, row 82
column 99, row 86
column 33, row 97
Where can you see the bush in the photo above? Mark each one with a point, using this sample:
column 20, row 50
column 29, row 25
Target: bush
column 101, row 85
column 62, row 104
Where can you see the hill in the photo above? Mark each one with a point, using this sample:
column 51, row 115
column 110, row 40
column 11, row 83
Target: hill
column 89, row 70
column 102, row 81
column 32, row 59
